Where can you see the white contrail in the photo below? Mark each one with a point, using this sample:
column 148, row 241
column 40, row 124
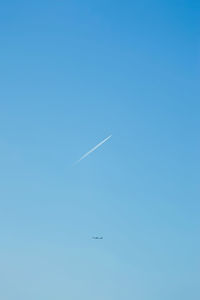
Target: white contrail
column 93, row 149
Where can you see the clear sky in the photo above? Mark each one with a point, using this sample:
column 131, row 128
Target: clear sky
column 72, row 73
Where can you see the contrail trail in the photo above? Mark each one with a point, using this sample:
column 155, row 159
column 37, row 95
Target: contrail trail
column 93, row 149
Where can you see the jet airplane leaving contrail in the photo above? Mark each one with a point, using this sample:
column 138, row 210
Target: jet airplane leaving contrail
column 93, row 149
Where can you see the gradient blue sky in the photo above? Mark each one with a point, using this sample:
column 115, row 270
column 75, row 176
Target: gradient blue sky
column 72, row 73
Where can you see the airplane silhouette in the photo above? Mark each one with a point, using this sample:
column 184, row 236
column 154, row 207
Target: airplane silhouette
column 97, row 238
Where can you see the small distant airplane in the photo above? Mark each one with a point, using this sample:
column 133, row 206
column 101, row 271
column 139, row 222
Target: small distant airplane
column 97, row 238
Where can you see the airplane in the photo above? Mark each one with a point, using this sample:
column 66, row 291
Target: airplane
column 97, row 238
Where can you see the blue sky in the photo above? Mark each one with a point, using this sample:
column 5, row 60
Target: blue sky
column 72, row 73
